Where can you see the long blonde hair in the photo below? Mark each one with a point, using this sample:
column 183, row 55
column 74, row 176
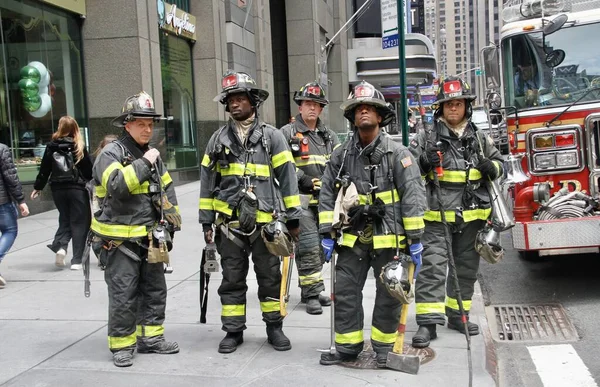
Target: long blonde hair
column 68, row 127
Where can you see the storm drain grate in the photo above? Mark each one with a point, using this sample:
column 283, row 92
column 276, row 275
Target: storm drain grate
column 366, row 359
column 538, row 323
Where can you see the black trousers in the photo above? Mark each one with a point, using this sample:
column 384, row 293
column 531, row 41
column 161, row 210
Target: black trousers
column 74, row 220
column 137, row 297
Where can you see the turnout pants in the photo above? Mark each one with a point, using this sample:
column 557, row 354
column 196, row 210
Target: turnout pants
column 235, row 262
column 351, row 270
column 137, row 297
column 308, row 255
column 434, row 292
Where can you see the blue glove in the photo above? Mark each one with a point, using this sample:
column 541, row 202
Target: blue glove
column 327, row 244
column 416, row 252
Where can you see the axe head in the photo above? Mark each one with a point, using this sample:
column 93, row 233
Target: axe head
column 404, row 363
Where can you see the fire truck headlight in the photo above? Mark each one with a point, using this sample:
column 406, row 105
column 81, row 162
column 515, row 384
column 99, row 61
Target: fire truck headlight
column 544, row 161
column 566, row 159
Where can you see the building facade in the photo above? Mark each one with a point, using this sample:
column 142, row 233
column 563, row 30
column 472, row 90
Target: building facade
column 85, row 57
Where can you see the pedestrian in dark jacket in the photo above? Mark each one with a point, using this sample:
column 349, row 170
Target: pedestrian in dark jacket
column 10, row 192
column 67, row 165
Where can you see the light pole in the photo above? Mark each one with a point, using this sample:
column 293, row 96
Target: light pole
column 469, row 70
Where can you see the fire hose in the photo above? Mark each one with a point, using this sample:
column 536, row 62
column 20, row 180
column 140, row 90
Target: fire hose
column 566, row 204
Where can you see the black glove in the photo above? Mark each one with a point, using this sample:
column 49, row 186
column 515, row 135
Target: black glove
column 357, row 217
column 376, row 210
column 488, row 169
column 305, row 184
column 430, row 158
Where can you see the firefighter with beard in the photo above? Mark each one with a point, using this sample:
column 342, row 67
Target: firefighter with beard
column 134, row 187
column 247, row 176
column 388, row 210
column 468, row 159
column 311, row 143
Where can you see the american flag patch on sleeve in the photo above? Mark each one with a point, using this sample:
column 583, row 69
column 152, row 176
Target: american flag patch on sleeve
column 406, row 162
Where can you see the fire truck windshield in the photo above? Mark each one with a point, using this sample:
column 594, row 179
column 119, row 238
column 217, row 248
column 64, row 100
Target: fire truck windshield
column 529, row 79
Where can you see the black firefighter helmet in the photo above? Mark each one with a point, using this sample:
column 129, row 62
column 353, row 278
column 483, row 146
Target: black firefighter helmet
column 140, row 105
column 312, row 91
column 367, row 94
column 453, row 88
column 234, row 82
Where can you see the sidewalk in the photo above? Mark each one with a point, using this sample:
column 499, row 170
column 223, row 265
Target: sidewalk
column 52, row 335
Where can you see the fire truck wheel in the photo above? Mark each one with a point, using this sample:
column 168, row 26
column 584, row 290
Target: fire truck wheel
column 530, row 256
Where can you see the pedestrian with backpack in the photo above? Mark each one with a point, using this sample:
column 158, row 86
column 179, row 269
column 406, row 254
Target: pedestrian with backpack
column 66, row 164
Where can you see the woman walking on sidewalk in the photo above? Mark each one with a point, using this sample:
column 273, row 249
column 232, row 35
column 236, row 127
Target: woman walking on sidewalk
column 10, row 192
column 66, row 163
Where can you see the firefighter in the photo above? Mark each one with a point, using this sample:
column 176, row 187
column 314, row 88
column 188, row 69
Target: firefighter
column 311, row 143
column 388, row 211
column 132, row 184
column 240, row 197
column 468, row 158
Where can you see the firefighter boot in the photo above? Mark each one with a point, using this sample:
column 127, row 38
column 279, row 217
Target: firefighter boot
column 455, row 323
column 323, row 300
column 156, row 344
column 231, row 341
column 336, row 358
column 123, row 357
column 381, row 358
column 424, row 335
column 313, row 306
column 277, row 338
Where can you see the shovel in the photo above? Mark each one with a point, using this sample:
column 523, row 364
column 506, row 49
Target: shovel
column 396, row 360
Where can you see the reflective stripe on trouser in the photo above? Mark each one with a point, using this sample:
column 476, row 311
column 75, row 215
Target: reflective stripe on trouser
column 432, row 286
column 308, row 256
column 351, row 273
column 137, row 297
column 235, row 263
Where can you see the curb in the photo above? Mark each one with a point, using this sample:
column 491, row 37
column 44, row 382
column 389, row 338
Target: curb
column 491, row 359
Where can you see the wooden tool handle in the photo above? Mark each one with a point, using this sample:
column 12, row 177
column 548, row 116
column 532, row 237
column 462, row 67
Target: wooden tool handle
column 399, row 344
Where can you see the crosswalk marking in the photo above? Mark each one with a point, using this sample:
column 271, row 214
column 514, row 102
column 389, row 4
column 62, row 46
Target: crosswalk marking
column 560, row 366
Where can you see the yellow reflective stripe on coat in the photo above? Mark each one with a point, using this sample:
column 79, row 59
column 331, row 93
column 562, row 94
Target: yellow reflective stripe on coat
column 386, row 338
column 326, row 217
column 348, row 239
column 291, row 201
column 458, row 176
column 221, row 206
column 310, row 279
column 130, row 177
column 478, row 214
column 107, row 172
column 233, row 310
column 149, row 330
column 355, row 337
column 269, row 306
column 206, row 204
column 281, row 158
column 166, row 179
column 430, row 307
column 413, row 223
column 142, row 189
column 120, row 231
column 237, row 169
column 206, row 160
column 310, row 160
column 435, row 216
column 388, row 241
column 452, row 303
column 100, row 191
column 335, row 147
column 122, row 342
column 386, row 196
column 263, row 217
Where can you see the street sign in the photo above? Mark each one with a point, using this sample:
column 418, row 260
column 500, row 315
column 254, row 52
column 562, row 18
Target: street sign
column 389, row 23
column 478, row 72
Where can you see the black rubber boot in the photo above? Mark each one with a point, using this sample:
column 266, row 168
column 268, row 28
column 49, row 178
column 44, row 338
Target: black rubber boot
column 381, row 359
column 456, row 324
column 424, row 335
column 336, row 358
column 323, row 300
column 277, row 338
column 156, row 344
column 231, row 341
column 313, row 306
column 123, row 357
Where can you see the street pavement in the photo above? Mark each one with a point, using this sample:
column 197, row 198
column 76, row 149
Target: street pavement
column 52, row 335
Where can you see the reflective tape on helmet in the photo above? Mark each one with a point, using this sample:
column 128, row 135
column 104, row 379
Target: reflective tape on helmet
column 149, row 330
column 355, row 337
column 269, row 306
column 282, row 158
column 430, row 307
column 119, row 231
column 233, row 310
column 452, row 303
column 385, row 338
column 122, row 342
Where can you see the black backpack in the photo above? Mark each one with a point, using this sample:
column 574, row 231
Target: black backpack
column 63, row 167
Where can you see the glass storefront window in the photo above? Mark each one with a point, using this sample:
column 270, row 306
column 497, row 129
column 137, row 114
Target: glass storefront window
column 177, row 142
column 40, row 78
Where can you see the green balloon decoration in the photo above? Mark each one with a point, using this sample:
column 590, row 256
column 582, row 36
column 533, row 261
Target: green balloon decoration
column 32, row 104
column 30, row 72
column 28, row 87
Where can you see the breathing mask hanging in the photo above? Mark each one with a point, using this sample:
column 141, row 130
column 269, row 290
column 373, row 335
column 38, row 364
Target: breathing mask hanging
column 394, row 276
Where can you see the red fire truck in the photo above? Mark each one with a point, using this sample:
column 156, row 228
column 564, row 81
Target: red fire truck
column 547, row 71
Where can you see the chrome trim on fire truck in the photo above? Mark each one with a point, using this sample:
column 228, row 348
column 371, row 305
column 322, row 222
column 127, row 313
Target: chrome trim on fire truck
column 551, row 130
column 551, row 234
column 593, row 151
